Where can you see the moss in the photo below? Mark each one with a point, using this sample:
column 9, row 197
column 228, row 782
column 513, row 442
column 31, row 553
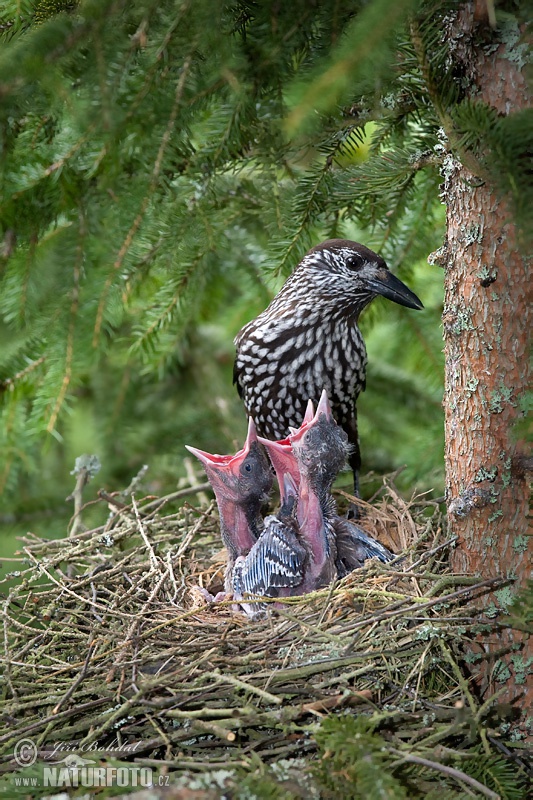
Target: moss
column 515, row 51
column 471, row 386
column 472, row 235
column 463, row 321
column 471, row 658
column 487, row 276
column 427, row 632
column 499, row 397
column 491, row 611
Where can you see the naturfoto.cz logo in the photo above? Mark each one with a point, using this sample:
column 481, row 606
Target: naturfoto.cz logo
column 96, row 777
column 75, row 771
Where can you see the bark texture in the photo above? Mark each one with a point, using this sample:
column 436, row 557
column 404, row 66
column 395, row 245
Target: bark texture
column 487, row 337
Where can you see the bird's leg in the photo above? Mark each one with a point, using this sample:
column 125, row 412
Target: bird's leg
column 354, row 460
column 355, row 464
column 353, row 511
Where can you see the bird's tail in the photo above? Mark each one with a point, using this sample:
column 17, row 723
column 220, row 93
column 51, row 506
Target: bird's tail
column 372, row 547
column 355, row 546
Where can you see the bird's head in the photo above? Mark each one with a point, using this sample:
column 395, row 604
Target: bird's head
column 320, row 446
column 244, row 478
column 283, row 459
column 360, row 275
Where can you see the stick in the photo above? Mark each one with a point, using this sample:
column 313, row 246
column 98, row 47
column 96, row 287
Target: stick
column 153, row 559
column 454, row 773
column 199, row 487
column 270, row 698
column 78, row 679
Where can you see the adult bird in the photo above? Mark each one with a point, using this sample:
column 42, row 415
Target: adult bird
column 308, row 339
column 242, row 484
column 320, row 447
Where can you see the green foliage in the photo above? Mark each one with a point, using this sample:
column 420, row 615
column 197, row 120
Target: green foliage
column 355, row 760
column 354, row 763
column 364, row 55
column 504, row 146
column 495, row 773
column 15, row 16
column 164, row 167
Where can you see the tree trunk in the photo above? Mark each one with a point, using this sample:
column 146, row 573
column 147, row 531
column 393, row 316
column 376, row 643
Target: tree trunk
column 486, row 333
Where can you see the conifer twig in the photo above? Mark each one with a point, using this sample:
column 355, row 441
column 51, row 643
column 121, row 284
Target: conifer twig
column 154, row 179
column 85, row 468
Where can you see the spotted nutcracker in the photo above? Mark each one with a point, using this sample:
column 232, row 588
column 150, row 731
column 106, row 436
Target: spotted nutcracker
column 308, row 340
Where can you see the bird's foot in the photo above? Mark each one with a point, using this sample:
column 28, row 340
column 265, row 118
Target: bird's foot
column 353, row 512
column 201, row 597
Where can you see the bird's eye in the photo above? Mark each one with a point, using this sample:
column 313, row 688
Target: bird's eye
column 247, row 466
column 354, row 262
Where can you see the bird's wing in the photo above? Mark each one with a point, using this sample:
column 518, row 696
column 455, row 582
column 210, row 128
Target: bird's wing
column 355, row 546
column 237, row 376
column 240, row 365
column 275, row 562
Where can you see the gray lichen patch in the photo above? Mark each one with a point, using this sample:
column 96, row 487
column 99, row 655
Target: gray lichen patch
column 499, row 397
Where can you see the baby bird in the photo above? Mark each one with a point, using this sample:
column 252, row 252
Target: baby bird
column 242, row 484
column 275, row 566
column 321, row 449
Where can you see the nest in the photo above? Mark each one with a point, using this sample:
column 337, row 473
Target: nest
column 110, row 647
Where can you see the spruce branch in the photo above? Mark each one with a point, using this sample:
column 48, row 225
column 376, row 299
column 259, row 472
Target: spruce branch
column 369, row 32
column 444, row 95
column 154, row 179
column 10, row 383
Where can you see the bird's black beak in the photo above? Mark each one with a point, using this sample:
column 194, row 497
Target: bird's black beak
column 391, row 287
